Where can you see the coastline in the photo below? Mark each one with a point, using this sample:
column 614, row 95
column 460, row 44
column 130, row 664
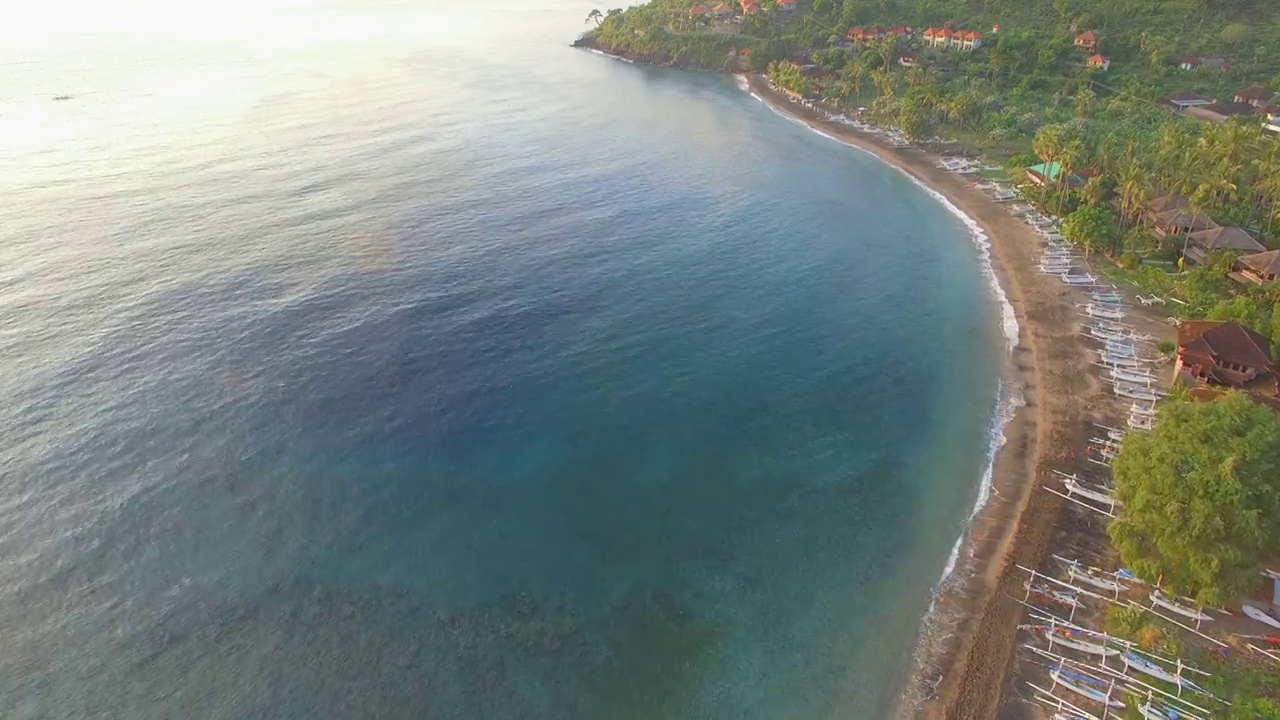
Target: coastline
column 966, row 647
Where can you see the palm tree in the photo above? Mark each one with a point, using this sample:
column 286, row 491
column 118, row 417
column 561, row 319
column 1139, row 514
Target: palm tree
column 1048, row 146
column 1133, row 192
column 1267, row 187
column 854, row 75
column 596, row 15
column 1071, row 154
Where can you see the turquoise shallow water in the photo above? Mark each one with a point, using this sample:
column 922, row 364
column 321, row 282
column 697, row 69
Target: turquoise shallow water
column 411, row 364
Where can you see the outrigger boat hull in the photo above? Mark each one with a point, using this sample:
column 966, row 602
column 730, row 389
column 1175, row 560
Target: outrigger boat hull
column 1261, row 616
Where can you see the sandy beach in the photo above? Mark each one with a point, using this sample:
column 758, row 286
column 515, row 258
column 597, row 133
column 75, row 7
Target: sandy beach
column 966, row 659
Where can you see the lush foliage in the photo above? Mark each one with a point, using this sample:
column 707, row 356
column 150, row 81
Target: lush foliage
column 1201, row 497
column 1092, row 228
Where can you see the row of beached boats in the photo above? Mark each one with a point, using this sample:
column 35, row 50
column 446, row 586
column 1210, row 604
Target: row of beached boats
column 1099, row 669
column 1094, row 675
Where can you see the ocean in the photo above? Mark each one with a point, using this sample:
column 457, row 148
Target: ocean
column 395, row 360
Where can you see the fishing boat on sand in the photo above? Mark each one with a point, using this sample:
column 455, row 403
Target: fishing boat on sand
column 1257, row 613
column 1134, row 392
column 1043, row 591
column 1161, row 600
column 1085, row 685
column 1146, row 667
column 1075, row 487
column 1071, row 639
column 1083, row 576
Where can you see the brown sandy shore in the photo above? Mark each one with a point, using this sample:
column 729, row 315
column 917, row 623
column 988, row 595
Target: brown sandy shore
column 968, row 662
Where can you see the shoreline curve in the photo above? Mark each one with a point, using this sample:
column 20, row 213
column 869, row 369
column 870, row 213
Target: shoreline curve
column 965, row 649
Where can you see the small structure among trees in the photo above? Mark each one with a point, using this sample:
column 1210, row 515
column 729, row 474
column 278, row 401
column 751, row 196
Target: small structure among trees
column 1225, row 354
column 1262, row 268
column 1087, row 41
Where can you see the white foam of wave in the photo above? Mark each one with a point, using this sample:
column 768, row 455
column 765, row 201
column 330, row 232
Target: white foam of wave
column 611, row 55
column 1008, row 400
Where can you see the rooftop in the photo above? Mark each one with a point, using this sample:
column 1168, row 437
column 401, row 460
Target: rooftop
column 1255, row 92
column 1226, row 238
column 1168, row 202
column 1226, row 342
column 1263, row 263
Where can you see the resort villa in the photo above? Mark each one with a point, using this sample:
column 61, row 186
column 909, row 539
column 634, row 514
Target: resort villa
column 1202, row 242
column 1087, row 41
column 948, row 37
column 1260, row 268
column 1225, row 354
column 860, row 36
column 1255, row 95
column 1100, row 62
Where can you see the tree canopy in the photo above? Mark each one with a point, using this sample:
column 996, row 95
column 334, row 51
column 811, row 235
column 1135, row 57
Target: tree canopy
column 1201, row 497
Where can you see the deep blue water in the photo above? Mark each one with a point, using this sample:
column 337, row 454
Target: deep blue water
column 413, row 365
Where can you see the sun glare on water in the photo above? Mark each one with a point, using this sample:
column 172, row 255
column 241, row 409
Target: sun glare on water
column 131, row 66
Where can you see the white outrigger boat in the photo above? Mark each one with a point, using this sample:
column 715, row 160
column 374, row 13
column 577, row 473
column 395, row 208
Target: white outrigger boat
column 1085, row 685
column 1044, row 591
column 1067, row 638
column 1257, row 613
column 1087, row 576
column 1075, row 487
column 1134, row 392
column 1136, row 662
column 1098, row 310
column 1080, row 280
column 1132, row 376
column 1120, row 348
column 1150, row 711
column 1159, row 599
column 1111, row 360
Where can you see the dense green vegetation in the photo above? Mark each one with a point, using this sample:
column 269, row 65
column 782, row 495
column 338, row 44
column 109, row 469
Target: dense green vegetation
column 1201, row 497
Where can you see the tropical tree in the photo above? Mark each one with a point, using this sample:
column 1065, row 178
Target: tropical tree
column 1133, row 191
column 1092, row 228
column 1048, row 145
column 595, row 15
column 1200, row 497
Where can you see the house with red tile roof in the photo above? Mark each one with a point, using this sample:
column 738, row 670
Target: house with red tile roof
column 699, row 11
column 970, row 40
column 788, row 5
column 1225, row 354
column 1087, row 41
column 948, row 37
column 1100, row 62
column 721, row 9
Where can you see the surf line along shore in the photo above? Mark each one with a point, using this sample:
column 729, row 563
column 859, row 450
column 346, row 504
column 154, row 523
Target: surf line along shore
column 966, row 656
